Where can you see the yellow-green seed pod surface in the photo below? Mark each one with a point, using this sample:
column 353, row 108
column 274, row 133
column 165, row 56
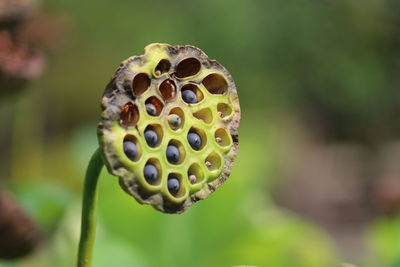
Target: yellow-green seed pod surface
column 169, row 127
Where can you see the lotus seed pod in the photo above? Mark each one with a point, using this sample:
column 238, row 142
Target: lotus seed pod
column 169, row 126
column 21, row 59
column 19, row 235
column 14, row 10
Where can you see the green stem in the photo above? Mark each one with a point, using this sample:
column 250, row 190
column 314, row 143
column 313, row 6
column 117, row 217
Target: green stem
column 88, row 224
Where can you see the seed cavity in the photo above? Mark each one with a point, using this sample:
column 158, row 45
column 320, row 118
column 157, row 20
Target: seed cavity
column 189, row 97
column 204, row 115
column 151, row 109
column 162, row 67
column 196, row 138
column 168, row 90
column 191, row 94
column 140, row 84
column 222, row 137
column 213, row 161
column 131, row 147
column 195, row 174
column 153, row 135
column 176, row 118
column 175, row 185
column 129, row 115
column 215, row 83
column 224, row 110
column 175, row 152
column 187, row 68
column 154, row 106
column 152, row 171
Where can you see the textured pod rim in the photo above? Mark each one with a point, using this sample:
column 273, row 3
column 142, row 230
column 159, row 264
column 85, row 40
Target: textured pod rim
column 119, row 92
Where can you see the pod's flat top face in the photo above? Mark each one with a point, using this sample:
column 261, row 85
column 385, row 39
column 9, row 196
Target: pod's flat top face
column 169, row 127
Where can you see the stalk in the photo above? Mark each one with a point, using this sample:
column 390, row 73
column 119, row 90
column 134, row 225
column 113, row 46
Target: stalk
column 88, row 223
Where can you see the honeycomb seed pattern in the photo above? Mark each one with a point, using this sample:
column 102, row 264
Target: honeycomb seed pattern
column 169, row 127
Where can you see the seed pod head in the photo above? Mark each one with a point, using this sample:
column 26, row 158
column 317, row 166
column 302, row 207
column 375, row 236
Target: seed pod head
column 14, row 10
column 19, row 235
column 21, row 59
column 196, row 133
column 19, row 64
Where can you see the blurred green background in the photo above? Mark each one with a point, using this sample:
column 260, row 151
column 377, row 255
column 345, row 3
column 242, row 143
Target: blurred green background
column 316, row 180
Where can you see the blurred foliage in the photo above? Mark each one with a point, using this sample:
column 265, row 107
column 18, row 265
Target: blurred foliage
column 385, row 239
column 338, row 59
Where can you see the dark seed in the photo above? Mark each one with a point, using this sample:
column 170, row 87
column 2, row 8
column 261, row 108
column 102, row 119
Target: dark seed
column 189, row 97
column 194, row 140
column 130, row 149
column 173, row 185
column 172, row 154
column 151, row 109
column 151, row 137
column 150, row 172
